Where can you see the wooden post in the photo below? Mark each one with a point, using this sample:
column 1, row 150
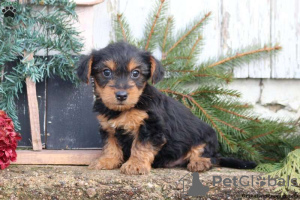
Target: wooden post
column 33, row 109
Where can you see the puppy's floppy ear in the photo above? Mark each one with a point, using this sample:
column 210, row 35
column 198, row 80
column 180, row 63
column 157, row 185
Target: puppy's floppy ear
column 156, row 69
column 84, row 69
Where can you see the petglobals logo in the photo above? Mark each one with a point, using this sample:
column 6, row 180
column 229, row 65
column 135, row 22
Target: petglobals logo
column 193, row 185
column 8, row 8
column 246, row 181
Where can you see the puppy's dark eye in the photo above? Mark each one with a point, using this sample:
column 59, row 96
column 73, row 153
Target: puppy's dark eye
column 135, row 73
column 106, row 73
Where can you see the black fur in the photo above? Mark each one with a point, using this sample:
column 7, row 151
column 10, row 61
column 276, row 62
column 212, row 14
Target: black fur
column 125, row 141
column 171, row 127
column 102, row 109
column 236, row 163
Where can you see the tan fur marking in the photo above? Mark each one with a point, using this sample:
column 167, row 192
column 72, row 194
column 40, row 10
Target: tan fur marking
column 132, row 65
column 141, row 158
column 89, row 69
column 130, row 120
column 112, row 154
column 153, row 67
column 105, row 125
column 196, row 162
column 110, row 64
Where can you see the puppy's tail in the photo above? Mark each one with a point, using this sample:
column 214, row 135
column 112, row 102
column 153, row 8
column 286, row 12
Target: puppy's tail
column 233, row 163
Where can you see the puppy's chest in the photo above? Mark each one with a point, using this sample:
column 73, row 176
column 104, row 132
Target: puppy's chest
column 130, row 121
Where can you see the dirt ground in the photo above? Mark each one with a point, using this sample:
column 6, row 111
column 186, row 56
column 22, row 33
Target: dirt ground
column 77, row 182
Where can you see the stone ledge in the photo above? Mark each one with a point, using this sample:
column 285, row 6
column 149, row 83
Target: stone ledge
column 77, row 182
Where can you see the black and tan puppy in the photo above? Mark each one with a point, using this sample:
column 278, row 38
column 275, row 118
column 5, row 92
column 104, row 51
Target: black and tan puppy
column 141, row 126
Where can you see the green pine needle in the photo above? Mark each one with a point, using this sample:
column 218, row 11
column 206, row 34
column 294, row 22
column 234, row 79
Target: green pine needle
column 32, row 30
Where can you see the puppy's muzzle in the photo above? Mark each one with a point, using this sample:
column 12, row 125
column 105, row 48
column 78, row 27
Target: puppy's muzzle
column 121, row 95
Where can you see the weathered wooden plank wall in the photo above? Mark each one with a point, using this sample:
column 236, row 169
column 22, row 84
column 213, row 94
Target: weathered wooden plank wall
column 285, row 29
column 234, row 24
column 243, row 23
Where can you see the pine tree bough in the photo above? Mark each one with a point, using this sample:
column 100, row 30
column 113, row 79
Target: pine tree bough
column 189, row 32
column 234, row 113
column 122, row 26
column 154, row 23
column 165, row 37
column 258, row 136
column 56, row 33
column 266, row 49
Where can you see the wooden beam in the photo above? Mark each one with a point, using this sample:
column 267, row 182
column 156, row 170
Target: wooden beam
column 88, row 2
column 33, row 109
column 56, row 157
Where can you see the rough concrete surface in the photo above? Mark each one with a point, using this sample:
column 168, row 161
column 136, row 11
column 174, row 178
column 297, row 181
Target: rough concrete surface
column 77, row 182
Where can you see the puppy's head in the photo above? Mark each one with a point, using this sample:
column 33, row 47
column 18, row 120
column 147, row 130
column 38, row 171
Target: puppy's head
column 120, row 73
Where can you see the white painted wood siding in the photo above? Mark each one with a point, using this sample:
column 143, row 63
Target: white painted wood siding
column 234, row 24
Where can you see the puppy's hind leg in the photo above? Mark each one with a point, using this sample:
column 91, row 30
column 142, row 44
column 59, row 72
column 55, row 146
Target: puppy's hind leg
column 196, row 162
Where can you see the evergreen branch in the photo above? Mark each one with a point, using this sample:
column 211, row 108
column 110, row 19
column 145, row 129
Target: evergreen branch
column 2, row 75
column 234, row 113
column 176, row 93
column 196, row 74
column 193, row 49
column 241, row 106
column 182, row 71
column 122, row 30
column 210, row 118
column 182, row 57
column 165, row 36
column 31, row 31
column 270, row 159
column 175, row 58
column 238, row 55
column 258, row 145
column 185, row 103
column 297, row 122
column 215, row 92
column 290, row 166
column 260, row 135
column 154, row 23
column 189, row 32
column 227, row 79
column 121, row 26
column 231, row 126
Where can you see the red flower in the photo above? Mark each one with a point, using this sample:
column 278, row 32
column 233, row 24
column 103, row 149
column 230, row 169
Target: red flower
column 8, row 141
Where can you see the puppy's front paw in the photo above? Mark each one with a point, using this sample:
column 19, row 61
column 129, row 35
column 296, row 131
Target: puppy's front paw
column 105, row 163
column 132, row 167
column 199, row 165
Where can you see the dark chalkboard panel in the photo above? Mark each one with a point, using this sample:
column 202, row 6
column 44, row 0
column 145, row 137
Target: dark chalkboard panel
column 71, row 123
column 67, row 120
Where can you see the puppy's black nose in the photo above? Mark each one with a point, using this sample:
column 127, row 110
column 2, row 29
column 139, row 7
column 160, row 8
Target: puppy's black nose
column 121, row 95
